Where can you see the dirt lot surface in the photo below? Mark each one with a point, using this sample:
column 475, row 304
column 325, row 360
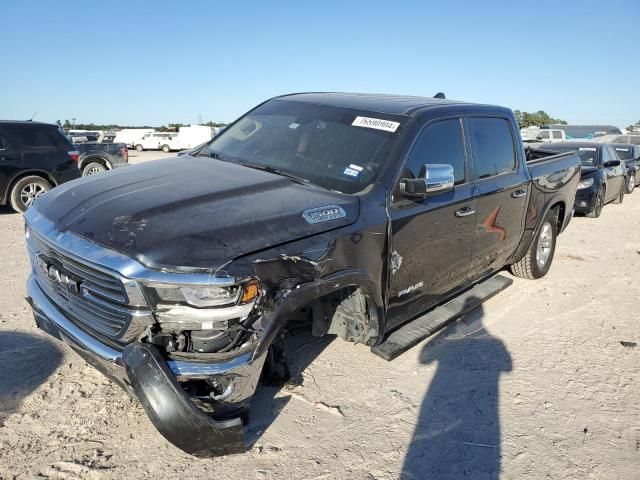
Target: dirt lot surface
column 541, row 382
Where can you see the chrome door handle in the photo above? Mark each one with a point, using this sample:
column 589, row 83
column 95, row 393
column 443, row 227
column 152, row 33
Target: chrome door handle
column 465, row 212
column 519, row 193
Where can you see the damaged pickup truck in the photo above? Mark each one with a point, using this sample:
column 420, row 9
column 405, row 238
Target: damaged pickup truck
column 353, row 213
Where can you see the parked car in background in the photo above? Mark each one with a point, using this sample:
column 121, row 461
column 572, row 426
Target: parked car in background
column 542, row 135
column 34, row 158
column 352, row 213
column 157, row 141
column 632, row 138
column 131, row 136
column 603, row 175
column 630, row 155
column 97, row 157
column 584, row 132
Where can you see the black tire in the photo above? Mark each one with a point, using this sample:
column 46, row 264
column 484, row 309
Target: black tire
column 26, row 190
column 93, row 168
column 597, row 209
column 537, row 261
column 166, row 148
column 139, row 148
column 620, row 197
column 631, row 184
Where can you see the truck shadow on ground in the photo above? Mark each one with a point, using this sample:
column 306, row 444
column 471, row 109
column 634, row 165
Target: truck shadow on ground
column 458, row 428
column 27, row 361
column 302, row 349
column 6, row 210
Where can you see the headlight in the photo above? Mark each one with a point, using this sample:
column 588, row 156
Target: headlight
column 585, row 183
column 205, row 296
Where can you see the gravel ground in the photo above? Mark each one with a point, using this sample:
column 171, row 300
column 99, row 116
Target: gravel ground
column 541, row 382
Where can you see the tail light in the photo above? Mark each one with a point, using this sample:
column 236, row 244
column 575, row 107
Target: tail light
column 125, row 153
column 74, row 155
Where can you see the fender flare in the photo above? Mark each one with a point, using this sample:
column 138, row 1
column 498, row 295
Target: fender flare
column 305, row 293
column 525, row 242
column 98, row 156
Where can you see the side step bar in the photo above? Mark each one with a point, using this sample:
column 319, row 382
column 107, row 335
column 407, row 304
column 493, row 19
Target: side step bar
column 409, row 335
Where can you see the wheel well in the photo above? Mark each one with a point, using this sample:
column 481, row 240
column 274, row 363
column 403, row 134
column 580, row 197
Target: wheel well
column 99, row 160
column 13, row 182
column 561, row 209
column 346, row 313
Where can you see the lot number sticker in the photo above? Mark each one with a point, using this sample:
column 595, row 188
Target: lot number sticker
column 377, row 123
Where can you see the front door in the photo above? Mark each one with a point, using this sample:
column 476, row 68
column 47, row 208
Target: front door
column 431, row 238
column 502, row 185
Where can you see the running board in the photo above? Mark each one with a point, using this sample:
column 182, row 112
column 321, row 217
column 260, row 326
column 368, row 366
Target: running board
column 411, row 334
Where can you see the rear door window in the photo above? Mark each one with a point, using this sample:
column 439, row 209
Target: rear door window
column 36, row 136
column 557, row 134
column 492, row 145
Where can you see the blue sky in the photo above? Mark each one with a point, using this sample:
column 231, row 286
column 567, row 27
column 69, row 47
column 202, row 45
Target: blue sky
column 159, row 62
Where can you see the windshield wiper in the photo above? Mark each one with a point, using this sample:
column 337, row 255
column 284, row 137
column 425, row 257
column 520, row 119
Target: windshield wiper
column 277, row 171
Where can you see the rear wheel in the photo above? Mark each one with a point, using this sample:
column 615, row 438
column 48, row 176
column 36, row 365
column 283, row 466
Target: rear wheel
column 93, row 168
column 166, row 148
column 26, row 191
column 537, row 261
column 597, row 208
column 139, row 148
column 631, row 184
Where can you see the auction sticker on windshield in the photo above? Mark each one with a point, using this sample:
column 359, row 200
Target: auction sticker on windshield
column 377, row 123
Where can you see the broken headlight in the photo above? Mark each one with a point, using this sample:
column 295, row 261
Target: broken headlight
column 199, row 296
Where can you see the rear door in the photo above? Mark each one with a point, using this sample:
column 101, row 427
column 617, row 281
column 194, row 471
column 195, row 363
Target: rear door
column 10, row 163
column 502, row 185
column 431, row 238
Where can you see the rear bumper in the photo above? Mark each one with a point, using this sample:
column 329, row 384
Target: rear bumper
column 143, row 372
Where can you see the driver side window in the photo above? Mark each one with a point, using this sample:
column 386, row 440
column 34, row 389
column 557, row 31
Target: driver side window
column 440, row 142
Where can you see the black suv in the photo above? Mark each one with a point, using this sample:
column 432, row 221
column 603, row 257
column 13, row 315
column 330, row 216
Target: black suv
column 34, row 158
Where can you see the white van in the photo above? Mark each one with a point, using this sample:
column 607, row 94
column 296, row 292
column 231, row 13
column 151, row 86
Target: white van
column 131, row 136
column 165, row 141
column 543, row 135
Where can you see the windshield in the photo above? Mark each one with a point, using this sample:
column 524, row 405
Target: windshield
column 588, row 155
column 335, row 148
column 624, row 153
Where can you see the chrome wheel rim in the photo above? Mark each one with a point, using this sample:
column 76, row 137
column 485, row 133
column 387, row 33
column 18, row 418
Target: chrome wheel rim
column 94, row 170
column 545, row 242
column 30, row 192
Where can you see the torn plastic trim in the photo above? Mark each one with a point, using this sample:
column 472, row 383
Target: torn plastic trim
column 171, row 410
column 306, row 293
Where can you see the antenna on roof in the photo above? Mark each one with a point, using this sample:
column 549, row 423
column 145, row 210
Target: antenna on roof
column 440, row 95
column 34, row 114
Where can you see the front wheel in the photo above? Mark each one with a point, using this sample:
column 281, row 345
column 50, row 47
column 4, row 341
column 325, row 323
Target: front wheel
column 139, row 148
column 597, row 208
column 537, row 261
column 631, row 184
column 166, row 149
column 26, row 191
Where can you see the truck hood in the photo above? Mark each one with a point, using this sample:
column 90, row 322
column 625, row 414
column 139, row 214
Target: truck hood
column 190, row 213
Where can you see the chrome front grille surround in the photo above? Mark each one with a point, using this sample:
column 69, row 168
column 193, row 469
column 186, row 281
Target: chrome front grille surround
column 96, row 288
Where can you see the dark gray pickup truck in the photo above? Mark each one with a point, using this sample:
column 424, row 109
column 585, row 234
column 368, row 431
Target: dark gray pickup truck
column 350, row 214
column 98, row 157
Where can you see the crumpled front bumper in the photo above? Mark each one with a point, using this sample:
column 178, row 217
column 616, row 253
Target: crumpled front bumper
column 143, row 372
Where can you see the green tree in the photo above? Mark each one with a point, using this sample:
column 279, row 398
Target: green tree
column 527, row 119
column 66, row 125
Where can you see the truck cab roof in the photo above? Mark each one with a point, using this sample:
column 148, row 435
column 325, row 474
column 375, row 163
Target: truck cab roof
column 381, row 103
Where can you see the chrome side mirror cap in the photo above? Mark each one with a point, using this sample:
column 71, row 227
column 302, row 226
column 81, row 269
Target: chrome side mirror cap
column 436, row 178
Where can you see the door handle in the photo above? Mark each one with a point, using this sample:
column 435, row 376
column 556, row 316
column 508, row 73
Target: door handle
column 465, row 211
column 519, row 193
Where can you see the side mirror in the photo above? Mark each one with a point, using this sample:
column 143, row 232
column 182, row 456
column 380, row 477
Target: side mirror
column 435, row 178
column 612, row 164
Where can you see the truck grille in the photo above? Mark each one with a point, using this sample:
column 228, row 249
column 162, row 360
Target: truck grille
column 89, row 296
